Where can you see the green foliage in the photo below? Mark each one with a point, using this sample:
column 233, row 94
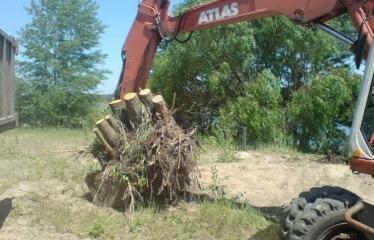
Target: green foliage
column 216, row 188
column 62, row 67
column 212, row 66
column 216, row 78
column 259, row 109
column 205, row 71
column 321, row 112
column 97, row 229
column 293, row 53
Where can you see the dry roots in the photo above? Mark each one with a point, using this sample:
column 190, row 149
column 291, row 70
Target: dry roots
column 154, row 160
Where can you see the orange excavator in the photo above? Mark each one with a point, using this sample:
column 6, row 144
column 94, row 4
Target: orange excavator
column 323, row 213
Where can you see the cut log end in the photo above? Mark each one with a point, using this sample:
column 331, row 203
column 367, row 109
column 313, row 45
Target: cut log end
column 160, row 106
column 116, row 102
column 130, row 96
column 158, row 99
column 118, row 108
column 100, row 121
column 145, row 92
column 117, row 105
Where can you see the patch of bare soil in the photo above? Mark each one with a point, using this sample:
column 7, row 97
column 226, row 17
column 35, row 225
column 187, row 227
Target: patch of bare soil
column 268, row 180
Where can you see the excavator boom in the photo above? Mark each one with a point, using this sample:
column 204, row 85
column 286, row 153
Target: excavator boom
column 153, row 24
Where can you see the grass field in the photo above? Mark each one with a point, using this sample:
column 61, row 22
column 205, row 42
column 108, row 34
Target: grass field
column 43, row 179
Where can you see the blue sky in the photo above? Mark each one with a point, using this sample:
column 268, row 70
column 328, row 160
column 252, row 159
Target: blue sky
column 117, row 15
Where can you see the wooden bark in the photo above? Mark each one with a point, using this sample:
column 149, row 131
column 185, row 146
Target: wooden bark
column 114, row 123
column 117, row 106
column 146, row 97
column 103, row 141
column 135, row 108
column 119, row 111
column 159, row 106
column 108, row 132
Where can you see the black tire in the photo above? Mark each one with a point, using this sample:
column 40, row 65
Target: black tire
column 319, row 215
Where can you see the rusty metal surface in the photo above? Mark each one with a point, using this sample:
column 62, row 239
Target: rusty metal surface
column 8, row 50
column 363, row 208
column 361, row 165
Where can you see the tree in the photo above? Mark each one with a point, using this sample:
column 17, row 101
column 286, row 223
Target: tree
column 211, row 68
column 295, row 54
column 63, row 63
column 205, row 72
column 322, row 111
column 259, row 109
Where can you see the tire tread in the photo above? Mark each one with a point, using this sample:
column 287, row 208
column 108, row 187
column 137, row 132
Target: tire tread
column 306, row 213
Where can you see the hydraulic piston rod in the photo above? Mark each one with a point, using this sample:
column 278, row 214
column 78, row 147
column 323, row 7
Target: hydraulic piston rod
column 339, row 36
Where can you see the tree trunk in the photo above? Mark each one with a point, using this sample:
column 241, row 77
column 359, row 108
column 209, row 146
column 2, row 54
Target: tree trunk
column 114, row 123
column 117, row 106
column 103, row 141
column 159, row 106
column 108, row 132
column 135, row 108
column 146, row 97
column 119, row 111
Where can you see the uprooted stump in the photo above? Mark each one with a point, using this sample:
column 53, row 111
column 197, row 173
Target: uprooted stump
column 144, row 155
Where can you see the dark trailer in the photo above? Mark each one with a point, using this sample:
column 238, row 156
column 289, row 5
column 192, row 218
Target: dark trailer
column 8, row 50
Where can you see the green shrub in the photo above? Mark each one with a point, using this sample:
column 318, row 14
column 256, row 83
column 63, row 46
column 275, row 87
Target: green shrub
column 259, row 109
column 321, row 112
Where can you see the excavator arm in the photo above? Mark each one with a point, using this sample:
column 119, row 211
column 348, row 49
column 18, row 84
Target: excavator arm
column 152, row 24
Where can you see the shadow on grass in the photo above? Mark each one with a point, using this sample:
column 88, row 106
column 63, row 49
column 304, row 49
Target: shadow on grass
column 272, row 214
column 6, row 206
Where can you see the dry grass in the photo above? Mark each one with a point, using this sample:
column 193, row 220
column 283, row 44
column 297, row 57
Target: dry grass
column 32, row 155
column 48, row 187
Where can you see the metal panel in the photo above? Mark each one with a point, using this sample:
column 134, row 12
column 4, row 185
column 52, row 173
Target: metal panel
column 8, row 50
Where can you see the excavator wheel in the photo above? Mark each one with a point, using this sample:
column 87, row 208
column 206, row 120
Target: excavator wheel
column 319, row 215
